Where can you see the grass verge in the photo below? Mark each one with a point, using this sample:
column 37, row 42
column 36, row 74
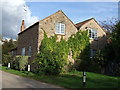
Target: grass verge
column 71, row 79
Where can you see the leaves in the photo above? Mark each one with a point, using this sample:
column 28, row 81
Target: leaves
column 21, row 62
column 53, row 55
column 8, row 45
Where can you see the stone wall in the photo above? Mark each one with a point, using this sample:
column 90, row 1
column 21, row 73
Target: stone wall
column 102, row 40
column 28, row 38
column 49, row 26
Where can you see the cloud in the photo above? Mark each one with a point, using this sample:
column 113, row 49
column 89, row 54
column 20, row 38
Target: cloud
column 12, row 14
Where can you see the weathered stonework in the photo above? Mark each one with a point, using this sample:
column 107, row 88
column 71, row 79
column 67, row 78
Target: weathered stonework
column 27, row 38
column 49, row 26
column 102, row 40
column 33, row 35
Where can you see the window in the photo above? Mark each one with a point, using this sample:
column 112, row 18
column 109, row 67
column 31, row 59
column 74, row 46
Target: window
column 23, row 52
column 60, row 28
column 92, row 52
column 12, row 53
column 29, row 51
column 93, row 34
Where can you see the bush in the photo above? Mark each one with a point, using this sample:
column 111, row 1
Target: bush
column 6, row 59
column 20, row 62
column 52, row 57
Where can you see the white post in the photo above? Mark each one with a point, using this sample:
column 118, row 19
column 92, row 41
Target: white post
column 8, row 65
column 28, row 67
column 84, row 79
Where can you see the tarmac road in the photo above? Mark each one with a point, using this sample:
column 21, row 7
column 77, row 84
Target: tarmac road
column 14, row 81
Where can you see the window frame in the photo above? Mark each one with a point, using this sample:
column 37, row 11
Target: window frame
column 93, row 34
column 60, row 28
column 23, row 50
column 92, row 52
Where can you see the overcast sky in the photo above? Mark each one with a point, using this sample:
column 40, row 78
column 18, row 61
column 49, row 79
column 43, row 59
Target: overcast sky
column 14, row 12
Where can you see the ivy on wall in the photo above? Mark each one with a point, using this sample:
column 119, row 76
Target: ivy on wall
column 53, row 55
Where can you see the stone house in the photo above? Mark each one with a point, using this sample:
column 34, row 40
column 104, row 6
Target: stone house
column 97, row 34
column 29, row 39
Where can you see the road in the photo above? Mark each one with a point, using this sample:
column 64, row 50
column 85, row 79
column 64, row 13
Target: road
column 14, row 81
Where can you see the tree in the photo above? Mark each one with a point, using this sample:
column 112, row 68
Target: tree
column 109, row 56
column 115, row 37
column 8, row 45
column 109, row 25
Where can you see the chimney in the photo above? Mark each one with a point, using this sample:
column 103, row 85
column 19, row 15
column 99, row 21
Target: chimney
column 22, row 26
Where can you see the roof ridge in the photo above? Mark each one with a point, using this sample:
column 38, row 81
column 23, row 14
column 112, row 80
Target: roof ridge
column 39, row 21
column 50, row 15
column 83, row 22
column 57, row 12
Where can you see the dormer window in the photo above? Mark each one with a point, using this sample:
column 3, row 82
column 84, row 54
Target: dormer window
column 60, row 28
column 93, row 34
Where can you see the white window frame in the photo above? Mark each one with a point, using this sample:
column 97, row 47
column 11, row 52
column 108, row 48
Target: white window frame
column 60, row 28
column 23, row 51
column 93, row 34
column 29, row 51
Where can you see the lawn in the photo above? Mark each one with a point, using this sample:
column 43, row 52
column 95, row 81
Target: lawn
column 71, row 79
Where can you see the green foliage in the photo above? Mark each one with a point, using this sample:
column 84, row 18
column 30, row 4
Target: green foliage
column 21, row 62
column 110, row 54
column 100, row 59
column 115, row 36
column 53, row 55
column 78, row 43
column 6, row 59
column 8, row 45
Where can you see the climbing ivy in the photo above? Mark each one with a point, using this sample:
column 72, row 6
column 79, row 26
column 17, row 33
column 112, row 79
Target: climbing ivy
column 78, row 43
column 53, row 55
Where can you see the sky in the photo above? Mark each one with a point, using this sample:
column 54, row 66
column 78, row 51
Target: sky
column 76, row 11
column 31, row 12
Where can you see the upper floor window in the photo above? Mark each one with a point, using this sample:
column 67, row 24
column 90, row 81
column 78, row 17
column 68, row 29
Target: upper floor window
column 29, row 51
column 93, row 33
column 60, row 28
column 23, row 52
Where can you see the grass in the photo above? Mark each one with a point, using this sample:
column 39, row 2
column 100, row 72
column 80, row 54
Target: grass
column 71, row 79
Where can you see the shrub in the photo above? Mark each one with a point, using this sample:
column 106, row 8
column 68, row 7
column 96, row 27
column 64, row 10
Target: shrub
column 6, row 59
column 21, row 62
column 53, row 56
